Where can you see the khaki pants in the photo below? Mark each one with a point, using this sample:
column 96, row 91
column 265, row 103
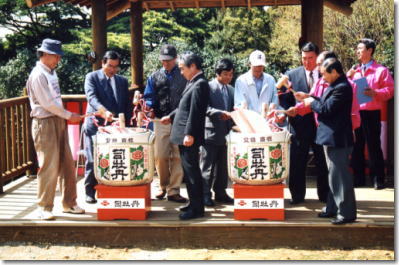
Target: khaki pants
column 50, row 136
column 167, row 160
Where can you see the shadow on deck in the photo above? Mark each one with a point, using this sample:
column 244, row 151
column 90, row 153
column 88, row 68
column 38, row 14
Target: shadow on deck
column 301, row 228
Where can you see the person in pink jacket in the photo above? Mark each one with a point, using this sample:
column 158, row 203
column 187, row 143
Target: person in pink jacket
column 318, row 90
column 381, row 89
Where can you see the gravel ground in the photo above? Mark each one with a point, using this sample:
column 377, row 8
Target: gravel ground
column 29, row 251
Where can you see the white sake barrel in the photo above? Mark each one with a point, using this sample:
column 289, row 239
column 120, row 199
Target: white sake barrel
column 258, row 159
column 124, row 157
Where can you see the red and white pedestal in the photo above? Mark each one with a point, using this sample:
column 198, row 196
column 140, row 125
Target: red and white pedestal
column 258, row 202
column 127, row 202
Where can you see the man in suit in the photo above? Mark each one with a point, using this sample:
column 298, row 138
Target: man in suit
column 303, row 129
column 335, row 134
column 256, row 87
column 217, row 125
column 162, row 94
column 106, row 93
column 188, row 130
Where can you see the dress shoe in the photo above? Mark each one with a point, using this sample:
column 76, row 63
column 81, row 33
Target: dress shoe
column 90, row 199
column 161, row 194
column 190, row 214
column 224, row 199
column 209, row 202
column 296, row 201
column 340, row 221
column 378, row 184
column 184, row 208
column 177, row 198
column 326, row 215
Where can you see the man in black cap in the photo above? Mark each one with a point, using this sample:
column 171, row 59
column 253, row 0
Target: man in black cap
column 163, row 93
column 50, row 134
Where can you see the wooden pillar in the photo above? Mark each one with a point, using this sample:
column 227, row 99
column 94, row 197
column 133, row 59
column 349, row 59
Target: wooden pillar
column 312, row 22
column 136, row 35
column 99, row 30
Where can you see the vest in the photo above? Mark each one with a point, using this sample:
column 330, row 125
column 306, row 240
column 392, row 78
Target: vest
column 167, row 92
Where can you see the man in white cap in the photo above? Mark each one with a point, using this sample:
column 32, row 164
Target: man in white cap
column 256, row 87
column 50, row 133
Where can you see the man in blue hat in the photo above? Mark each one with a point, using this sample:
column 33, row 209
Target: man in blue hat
column 50, row 134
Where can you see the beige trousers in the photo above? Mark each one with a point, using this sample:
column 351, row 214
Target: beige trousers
column 50, row 136
column 167, row 160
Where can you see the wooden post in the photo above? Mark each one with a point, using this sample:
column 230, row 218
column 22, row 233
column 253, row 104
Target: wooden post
column 99, row 30
column 136, row 29
column 312, row 22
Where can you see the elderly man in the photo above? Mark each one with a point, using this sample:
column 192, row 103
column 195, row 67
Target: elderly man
column 335, row 134
column 381, row 89
column 303, row 129
column 50, row 133
column 106, row 92
column 256, row 87
column 162, row 94
column 188, row 131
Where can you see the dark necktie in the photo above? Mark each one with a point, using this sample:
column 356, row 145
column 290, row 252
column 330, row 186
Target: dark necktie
column 363, row 69
column 311, row 80
column 225, row 97
column 112, row 89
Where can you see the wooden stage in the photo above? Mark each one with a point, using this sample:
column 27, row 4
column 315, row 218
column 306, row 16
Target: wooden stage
column 301, row 228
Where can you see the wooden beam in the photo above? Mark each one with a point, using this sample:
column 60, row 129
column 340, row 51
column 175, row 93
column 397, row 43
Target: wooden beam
column 136, row 39
column 116, row 8
column 34, row 3
column 99, row 30
column 338, row 6
column 312, row 22
column 171, row 5
column 197, row 4
column 223, row 5
column 146, row 6
column 249, row 4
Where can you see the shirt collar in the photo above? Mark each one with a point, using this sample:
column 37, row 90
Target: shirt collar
column 45, row 67
column 171, row 71
column 197, row 74
column 368, row 64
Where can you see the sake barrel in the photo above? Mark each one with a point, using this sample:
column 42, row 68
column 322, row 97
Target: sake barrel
column 124, row 157
column 258, row 159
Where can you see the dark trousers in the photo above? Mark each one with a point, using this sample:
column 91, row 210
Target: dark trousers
column 341, row 200
column 369, row 132
column 90, row 180
column 299, row 152
column 192, row 177
column 214, row 169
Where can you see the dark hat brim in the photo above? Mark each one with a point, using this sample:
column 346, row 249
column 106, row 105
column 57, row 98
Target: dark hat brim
column 41, row 49
column 166, row 57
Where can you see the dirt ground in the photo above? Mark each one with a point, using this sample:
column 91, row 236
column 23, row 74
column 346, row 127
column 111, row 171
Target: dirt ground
column 29, row 251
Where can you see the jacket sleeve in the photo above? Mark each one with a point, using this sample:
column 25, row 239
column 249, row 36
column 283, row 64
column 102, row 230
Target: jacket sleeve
column 91, row 92
column 239, row 94
column 149, row 93
column 339, row 98
column 386, row 86
column 198, row 104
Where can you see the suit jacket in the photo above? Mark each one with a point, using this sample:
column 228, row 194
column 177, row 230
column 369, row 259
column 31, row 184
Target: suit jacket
column 99, row 94
column 215, row 128
column 302, row 127
column 334, row 109
column 189, row 117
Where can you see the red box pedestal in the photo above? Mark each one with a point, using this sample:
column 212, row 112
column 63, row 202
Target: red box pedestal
column 127, row 202
column 258, row 202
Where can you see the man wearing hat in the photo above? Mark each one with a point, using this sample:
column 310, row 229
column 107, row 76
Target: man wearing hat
column 256, row 87
column 50, row 134
column 163, row 93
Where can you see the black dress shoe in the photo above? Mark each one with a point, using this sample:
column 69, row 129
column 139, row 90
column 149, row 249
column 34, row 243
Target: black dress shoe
column 184, row 208
column 209, row 202
column 177, row 198
column 339, row 221
column 90, row 199
column 161, row 194
column 296, row 201
column 190, row 214
column 224, row 199
column 326, row 215
column 378, row 184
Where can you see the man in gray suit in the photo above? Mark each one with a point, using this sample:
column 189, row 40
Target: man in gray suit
column 217, row 125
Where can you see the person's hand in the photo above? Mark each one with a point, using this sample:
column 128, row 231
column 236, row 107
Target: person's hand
column 369, row 92
column 308, row 101
column 188, row 140
column 75, row 118
column 165, row 120
column 279, row 117
column 108, row 116
column 292, row 112
column 351, row 72
column 300, row 96
column 224, row 116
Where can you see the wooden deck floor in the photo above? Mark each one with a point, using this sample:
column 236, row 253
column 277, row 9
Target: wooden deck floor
column 374, row 227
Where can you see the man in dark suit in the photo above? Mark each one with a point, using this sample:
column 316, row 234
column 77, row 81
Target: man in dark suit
column 106, row 93
column 188, row 130
column 303, row 129
column 335, row 134
column 217, row 125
